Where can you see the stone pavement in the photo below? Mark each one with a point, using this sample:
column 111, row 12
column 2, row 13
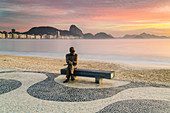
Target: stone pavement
column 32, row 91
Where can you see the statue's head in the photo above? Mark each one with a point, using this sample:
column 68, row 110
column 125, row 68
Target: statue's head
column 72, row 50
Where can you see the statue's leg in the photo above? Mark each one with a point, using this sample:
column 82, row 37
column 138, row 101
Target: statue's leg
column 68, row 74
column 75, row 68
column 72, row 72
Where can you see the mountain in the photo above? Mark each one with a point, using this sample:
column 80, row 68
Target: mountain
column 42, row 30
column 143, row 36
column 100, row 35
column 50, row 31
column 103, row 35
column 88, row 36
column 75, row 30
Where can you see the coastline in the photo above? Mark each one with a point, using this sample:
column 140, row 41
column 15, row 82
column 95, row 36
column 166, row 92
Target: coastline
column 129, row 72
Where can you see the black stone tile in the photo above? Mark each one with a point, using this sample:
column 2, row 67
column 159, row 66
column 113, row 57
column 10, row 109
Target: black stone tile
column 50, row 90
column 138, row 106
column 8, row 85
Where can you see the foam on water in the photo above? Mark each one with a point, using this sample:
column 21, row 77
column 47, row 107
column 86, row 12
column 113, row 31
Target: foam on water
column 104, row 58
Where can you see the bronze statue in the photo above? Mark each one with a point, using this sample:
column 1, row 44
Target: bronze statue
column 72, row 60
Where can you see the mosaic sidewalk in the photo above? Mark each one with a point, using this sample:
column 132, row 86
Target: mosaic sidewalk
column 32, row 91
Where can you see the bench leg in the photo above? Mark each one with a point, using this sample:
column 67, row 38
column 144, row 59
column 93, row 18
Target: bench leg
column 98, row 80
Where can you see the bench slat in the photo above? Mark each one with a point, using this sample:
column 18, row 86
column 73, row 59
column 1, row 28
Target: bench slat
column 91, row 73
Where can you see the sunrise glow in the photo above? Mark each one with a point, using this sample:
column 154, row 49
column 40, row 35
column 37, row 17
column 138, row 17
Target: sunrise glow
column 115, row 17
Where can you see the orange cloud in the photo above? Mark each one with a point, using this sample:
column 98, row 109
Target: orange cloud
column 113, row 16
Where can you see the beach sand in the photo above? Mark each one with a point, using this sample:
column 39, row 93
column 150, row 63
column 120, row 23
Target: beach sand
column 129, row 72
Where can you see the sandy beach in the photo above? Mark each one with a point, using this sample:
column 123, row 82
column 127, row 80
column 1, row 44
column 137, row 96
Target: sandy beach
column 130, row 72
column 34, row 84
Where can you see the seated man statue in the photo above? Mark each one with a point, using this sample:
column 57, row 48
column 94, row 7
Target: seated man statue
column 72, row 60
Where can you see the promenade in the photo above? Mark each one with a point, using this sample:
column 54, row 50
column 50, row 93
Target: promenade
column 35, row 91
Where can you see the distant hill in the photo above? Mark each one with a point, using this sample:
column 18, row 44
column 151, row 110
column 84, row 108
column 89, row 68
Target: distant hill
column 50, row 31
column 88, row 36
column 143, row 36
column 103, row 35
column 42, row 30
column 75, row 30
column 100, row 35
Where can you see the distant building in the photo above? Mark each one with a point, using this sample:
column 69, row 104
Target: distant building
column 58, row 34
column 30, row 36
column 10, row 35
column 38, row 36
column 54, row 36
column 44, row 36
column 22, row 36
column 61, row 37
column 2, row 35
column 49, row 36
column 6, row 34
column 15, row 36
column 26, row 36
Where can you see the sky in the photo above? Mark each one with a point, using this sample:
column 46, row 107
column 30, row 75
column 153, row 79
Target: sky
column 115, row 17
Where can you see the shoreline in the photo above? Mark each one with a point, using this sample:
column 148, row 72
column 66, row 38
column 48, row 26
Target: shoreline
column 131, row 72
column 155, row 62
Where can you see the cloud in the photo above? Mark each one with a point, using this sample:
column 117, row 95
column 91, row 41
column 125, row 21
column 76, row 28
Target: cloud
column 67, row 4
column 88, row 14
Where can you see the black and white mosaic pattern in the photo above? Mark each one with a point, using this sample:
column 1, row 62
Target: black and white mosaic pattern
column 8, row 85
column 138, row 106
column 50, row 90
column 53, row 91
column 46, row 95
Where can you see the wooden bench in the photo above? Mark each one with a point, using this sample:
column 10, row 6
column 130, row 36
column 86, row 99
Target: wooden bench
column 98, row 75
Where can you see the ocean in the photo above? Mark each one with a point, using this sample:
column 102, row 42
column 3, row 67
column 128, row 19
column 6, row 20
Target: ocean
column 134, row 51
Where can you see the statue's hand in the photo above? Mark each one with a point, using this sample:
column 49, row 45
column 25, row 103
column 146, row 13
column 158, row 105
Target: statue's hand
column 71, row 63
